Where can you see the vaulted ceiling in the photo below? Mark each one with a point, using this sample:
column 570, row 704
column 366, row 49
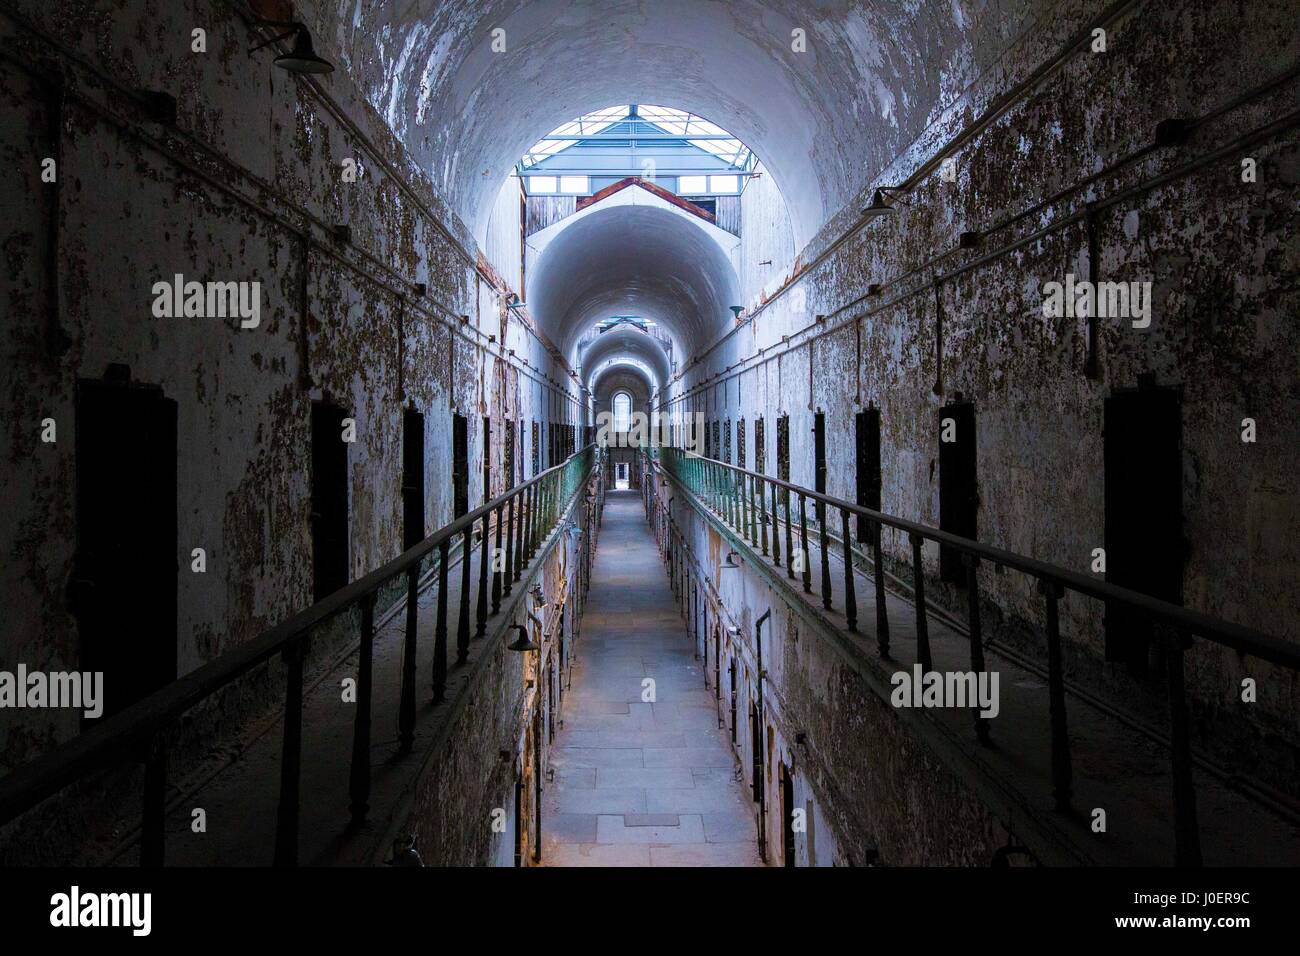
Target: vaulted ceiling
column 825, row 92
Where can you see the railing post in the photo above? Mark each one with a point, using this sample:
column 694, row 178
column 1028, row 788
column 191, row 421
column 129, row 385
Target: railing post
column 359, row 783
column 976, row 637
column 406, row 709
column 286, row 819
column 153, row 823
column 462, row 619
column 918, row 590
column 520, row 501
column 534, row 513
column 826, row 554
column 850, row 593
column 803, row 543
column 485, row 541
column 766, row 526
column 789, row 532
column 882, row 609
column 1187, row 840
column 440, row 627
column 1061, row 770
column 509, row 575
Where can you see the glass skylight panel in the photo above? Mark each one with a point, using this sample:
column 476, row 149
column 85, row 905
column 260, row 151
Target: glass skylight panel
column 642, row 133
column 692, row 185
column 573, row 184
column 541, row 184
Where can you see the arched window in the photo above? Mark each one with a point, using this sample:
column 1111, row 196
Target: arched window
column 622, row 412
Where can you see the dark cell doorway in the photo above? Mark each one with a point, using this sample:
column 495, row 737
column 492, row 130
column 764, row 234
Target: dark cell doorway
column 787, row 817
column 487, row 460
column 731, row 676
column 123, row 590
column 756, row 745
column 329, row 499
column 1144, row 511
column 867, row 427
column 621, row 477
column 958, row 492
column 819, row 462
column 412, row 478
column 509, row 448
column 717, row 664
column 519, row 822
column 460, row 464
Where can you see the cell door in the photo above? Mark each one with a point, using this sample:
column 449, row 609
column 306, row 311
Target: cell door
column 123, row 590
column 412, row 478
column 731, row 675
column 958, row 491
column 487, row 460
column 867, row 426
column 756, row 745
column 819, row 462
column 329, row 499
column 460, row 464
column 1144, row 511
column 787, row 817
column 509, row 444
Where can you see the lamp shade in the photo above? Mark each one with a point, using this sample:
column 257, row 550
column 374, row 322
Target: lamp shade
column 302, row 58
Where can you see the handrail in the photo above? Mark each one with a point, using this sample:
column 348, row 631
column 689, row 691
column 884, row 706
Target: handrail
column 1237, row 636
column 524, row 515
column 737, row 497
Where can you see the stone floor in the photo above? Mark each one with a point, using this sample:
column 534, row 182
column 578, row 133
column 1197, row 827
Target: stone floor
column 641, row 783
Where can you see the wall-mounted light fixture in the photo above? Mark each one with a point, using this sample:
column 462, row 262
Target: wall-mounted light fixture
column 732, row 560
column 737, row 309
column 522, row 641
column 878, row 205
column 302, row 58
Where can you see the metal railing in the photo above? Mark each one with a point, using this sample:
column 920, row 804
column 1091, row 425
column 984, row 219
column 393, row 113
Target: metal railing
column 515, row 525
column 761, row 510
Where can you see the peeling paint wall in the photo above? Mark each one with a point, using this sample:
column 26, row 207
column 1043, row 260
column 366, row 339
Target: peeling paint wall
column 247, row 185
column 1222, row 258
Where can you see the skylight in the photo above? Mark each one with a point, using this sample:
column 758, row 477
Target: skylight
column 730, row 149
column 583, row 126
column 657, row 143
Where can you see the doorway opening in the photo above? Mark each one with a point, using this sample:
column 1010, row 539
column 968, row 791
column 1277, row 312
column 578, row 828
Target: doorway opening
column 460, row 465
column 126, row 560
column 1144, row 513
column 868, row 470
column 819, row 463
column 412, row 478
column 787, row 817
column 958, row 492
column 622, row 477
column 329, row 499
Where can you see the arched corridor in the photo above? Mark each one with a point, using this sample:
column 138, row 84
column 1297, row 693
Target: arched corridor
column 502, row 434
column 644, row 772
